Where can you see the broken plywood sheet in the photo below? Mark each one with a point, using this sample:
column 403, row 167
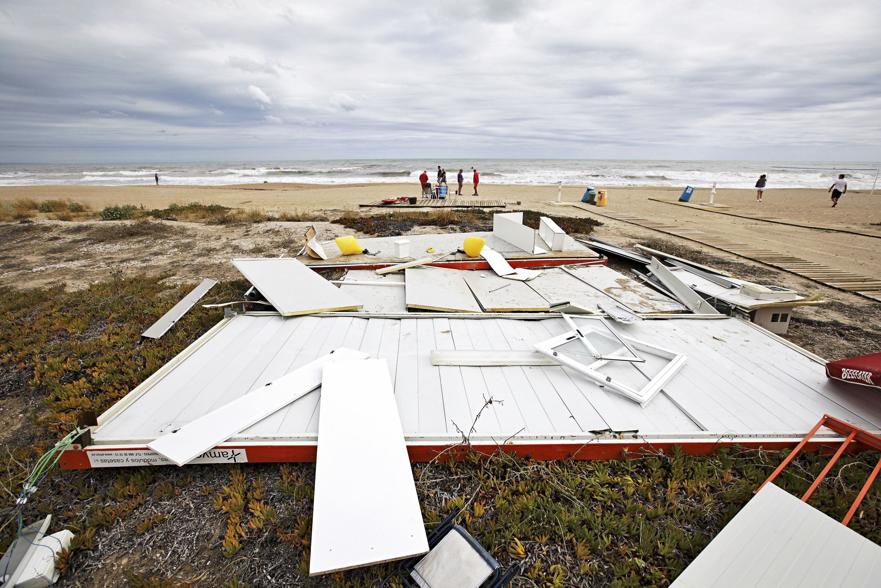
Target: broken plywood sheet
column 778, row 540
column 558, row 287
column 207, row 431
column 497, row 294
column 366, row 511
column 435, row 288
column 292, row 288
column 627, row 291
column 375, row 298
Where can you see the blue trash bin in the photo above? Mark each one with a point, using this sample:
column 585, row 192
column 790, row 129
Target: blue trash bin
column 590, row 195
column 686, row 194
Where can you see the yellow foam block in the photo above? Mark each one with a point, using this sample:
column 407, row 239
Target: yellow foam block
column 349, row 246
column 473, row 246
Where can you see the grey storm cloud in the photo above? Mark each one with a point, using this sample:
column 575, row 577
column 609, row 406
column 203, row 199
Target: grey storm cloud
column 160, row 80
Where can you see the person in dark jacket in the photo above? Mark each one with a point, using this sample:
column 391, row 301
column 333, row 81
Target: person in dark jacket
column 760, row 187
column 461, row 179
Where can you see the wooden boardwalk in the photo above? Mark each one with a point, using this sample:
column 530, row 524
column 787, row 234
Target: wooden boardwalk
column 865, row 286
column 439, row 203
column 770, row 219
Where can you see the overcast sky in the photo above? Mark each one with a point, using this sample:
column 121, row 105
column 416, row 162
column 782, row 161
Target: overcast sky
column 187, row 81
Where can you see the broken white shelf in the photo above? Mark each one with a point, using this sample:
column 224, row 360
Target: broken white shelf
column 215, row 427
column 441, row 289
column 292, row 288
column 778, row 540
column 551, row 233
column 365, row 511
column 509, row 227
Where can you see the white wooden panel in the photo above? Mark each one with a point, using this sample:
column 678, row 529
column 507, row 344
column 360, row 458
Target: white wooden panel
column 378, row 299
column 509, row 227
column 441, row 289
column 203, row 433
column 629, row 292
column 365, row 511
column 496, row 294
column 778, row 540
column 292, row 288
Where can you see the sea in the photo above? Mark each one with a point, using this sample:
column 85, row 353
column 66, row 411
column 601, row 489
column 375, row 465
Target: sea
column 599, row 173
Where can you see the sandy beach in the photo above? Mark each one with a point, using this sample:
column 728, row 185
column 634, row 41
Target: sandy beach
column 857, row 208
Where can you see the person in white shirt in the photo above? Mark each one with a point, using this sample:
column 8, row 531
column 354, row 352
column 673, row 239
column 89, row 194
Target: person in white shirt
column 838, row 189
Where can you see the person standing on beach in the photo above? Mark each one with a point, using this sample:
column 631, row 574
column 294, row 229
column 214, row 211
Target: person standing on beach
column 476, row 180
column 440, row 175
column 443, row 179
column 423, row 181
column 838, row 189
column 156, row 177
column 760, row 187
column 461, row 179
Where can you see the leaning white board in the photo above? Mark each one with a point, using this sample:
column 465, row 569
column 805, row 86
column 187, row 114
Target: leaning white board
column 365, row 510
column 440, row 289
column 207, row 431
column 292, row 288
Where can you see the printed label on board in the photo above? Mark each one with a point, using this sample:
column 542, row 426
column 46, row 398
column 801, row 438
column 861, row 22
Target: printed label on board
column 123, row 458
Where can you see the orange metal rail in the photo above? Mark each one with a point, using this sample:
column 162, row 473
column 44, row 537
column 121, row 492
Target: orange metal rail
column 853, row 435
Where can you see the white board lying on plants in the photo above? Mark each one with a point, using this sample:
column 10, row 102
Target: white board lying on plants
column 366, row 510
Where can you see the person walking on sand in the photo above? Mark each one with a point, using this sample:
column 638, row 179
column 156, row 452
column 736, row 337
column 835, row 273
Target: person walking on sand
column 440, row 175
column 760, row 187
column 156, row 177
column 476, row 180
column 423, row 181
column 838, row 189
column 461, row 179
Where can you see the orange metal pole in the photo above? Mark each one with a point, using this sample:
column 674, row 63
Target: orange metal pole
column 856, row 503
column 829, row 465
column 793, row 453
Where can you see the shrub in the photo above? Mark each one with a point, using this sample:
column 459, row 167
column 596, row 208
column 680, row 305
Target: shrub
column 75, row 207
column 123, row 212
column 52, row 206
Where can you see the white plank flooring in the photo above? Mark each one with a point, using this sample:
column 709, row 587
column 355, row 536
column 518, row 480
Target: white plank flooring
column 738, row 381
column 778, row 540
